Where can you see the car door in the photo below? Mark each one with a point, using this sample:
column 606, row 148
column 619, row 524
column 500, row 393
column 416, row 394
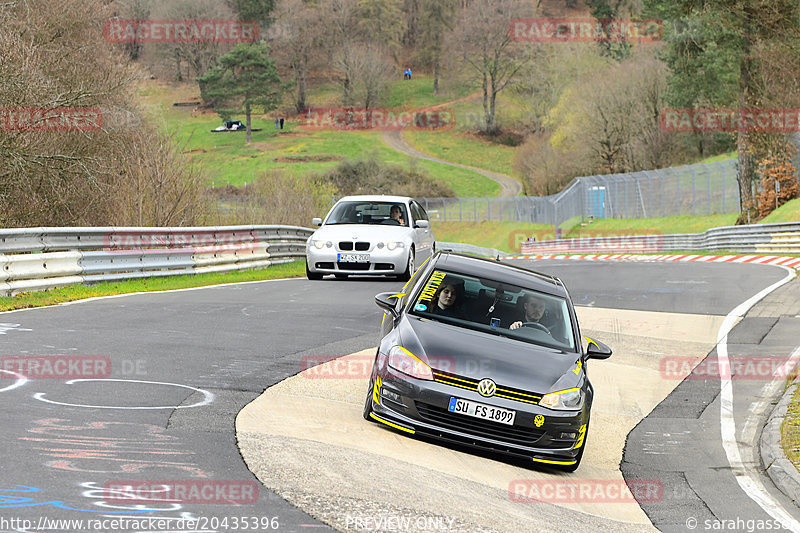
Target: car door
column 423, row 237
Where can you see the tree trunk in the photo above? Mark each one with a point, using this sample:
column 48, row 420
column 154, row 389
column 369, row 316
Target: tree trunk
column 247, row 119
column 485, row 101
column 743, row 143
column 302, row 85
column 436, row 76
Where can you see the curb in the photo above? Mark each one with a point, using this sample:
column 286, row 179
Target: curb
column 782, row 472
column 788, row 261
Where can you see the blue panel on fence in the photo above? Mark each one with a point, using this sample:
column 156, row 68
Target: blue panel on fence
column 597, row 201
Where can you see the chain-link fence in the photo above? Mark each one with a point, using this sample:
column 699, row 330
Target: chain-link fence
column 701, row 189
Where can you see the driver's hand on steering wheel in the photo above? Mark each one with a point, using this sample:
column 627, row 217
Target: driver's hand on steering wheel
column 515, row 325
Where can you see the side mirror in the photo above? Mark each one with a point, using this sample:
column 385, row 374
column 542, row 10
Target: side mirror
column 388, row 302
column 316, row 221
column 422, row 224
column 597, row 350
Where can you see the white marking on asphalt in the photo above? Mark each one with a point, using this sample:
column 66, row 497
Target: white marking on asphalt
column 208, row 397
column 746, row 477
column 6, row 327
column 21, row 380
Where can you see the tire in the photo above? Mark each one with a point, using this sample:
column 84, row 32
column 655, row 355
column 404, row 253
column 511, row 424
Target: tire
column 316, row 276
column 405, row 276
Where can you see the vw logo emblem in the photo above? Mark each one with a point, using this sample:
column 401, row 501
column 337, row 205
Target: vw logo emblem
column 486, row 387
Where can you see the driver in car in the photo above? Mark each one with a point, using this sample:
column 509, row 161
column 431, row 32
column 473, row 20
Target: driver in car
column 534, row 311
column 397, row 214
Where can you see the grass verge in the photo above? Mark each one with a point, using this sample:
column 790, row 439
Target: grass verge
column 607, row 227
column 80, row 292
column 790, row 430
column 788, row 212
column 505, row 236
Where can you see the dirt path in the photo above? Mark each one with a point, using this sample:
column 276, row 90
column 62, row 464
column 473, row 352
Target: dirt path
column 508, row 185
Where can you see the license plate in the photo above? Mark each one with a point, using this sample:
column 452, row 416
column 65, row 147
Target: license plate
column 353, row 258
column 479, row 410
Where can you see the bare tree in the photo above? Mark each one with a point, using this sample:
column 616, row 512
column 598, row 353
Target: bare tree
column 343, row 31
column 437, row 18
column 297, row 32
column 199, row 57
column 369, row 71
column 494, row 60
column 610, row 118
column 55, row 57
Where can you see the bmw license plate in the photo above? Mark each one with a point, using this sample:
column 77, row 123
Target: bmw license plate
column 353, row 258
column 479, row 410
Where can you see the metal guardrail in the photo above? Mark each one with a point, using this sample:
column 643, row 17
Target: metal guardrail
column 755, row 238
column 44, row 258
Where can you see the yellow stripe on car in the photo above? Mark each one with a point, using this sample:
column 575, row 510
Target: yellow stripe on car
column 554, row 462
column 396, row 426
column 581, row 436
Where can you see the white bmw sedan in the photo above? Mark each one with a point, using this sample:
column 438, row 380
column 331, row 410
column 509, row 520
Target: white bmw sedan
column 370, row 235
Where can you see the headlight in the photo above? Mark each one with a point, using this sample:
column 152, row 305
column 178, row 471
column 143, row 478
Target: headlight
column 391, row 245
column 406, row 362
column 318, row 244
column 569, row 399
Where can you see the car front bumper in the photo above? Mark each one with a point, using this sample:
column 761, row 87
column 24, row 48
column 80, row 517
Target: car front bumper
column 381, row 261
column 422, row 409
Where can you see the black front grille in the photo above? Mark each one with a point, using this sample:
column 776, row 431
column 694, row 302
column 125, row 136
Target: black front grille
column 346, row 245
column 353, row 266
column 463, row 382
column 362, row 246
column 475, row 426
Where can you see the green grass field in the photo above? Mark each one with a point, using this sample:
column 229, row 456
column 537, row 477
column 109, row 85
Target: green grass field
column 505, row 236
column 606, row 227
column 788, row 212
column 81, row 292
column 227, row 159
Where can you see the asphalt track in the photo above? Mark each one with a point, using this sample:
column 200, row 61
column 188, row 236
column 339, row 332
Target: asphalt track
column 62, row 447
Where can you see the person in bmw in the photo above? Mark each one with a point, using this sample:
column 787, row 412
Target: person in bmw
column 397, row 214
column 370, row 235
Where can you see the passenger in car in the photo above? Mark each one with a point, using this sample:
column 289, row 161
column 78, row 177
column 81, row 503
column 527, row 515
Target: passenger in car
column 449, row 298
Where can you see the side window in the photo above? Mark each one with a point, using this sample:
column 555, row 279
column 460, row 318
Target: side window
column 416, row 211
column 423, row 214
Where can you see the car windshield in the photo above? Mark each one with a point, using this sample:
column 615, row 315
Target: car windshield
column 497, row 308
column 366, row 212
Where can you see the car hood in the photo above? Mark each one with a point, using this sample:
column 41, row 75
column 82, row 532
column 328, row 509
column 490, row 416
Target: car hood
column 362, row 232
column 478, row 355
